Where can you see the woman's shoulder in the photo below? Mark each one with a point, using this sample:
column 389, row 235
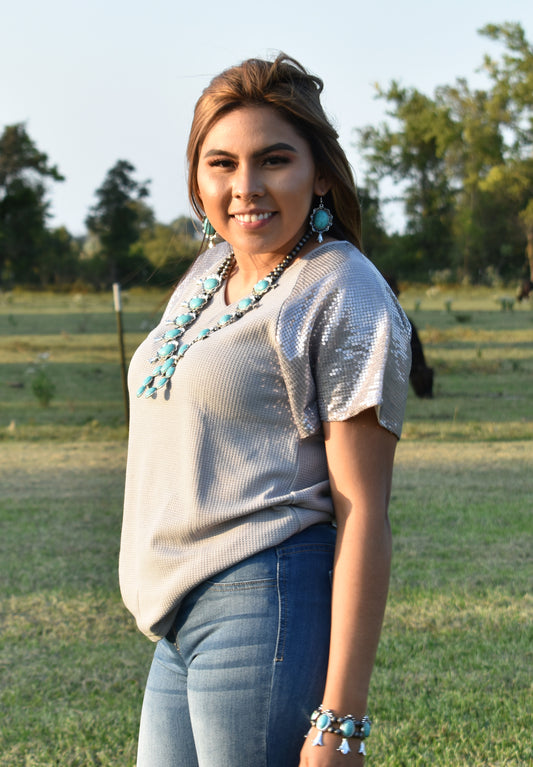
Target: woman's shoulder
column 340, row 278
column 339, row 263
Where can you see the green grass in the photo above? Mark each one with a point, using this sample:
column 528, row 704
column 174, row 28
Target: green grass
column 75, row 340
column 452, row 684
column 72, row 664
column 483, row 371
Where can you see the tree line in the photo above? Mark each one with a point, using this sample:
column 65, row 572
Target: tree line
column 462, row 164
column 461, row 161
column 124, row 243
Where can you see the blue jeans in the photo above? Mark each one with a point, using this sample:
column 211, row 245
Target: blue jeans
column 248, row 662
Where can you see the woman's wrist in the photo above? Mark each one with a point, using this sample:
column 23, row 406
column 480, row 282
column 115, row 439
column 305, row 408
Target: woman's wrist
column 347, row 727
column 356, row 707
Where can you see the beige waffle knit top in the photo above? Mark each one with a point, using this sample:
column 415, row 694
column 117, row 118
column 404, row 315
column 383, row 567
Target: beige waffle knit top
column 229, row 460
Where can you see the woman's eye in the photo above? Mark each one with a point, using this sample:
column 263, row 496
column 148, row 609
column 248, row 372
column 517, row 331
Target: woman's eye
column 221, row 163
column 276, row 160
column 228, row 163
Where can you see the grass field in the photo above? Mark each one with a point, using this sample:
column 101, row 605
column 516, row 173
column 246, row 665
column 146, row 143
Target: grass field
column 452, row 684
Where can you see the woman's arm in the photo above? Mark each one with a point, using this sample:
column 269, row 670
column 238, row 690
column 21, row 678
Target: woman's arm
column 360, row 456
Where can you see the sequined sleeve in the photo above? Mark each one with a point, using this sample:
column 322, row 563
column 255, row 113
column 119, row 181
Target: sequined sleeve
column 345, row 344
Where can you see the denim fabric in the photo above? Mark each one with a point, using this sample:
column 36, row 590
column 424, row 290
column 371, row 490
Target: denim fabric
column 248, row 664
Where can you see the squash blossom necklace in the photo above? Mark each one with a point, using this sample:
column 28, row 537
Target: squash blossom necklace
column 172, row 351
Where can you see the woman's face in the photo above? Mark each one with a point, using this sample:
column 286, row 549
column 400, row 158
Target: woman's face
column 256, row 180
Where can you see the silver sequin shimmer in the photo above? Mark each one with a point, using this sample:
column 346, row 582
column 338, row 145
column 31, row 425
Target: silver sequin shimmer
column 230, row 460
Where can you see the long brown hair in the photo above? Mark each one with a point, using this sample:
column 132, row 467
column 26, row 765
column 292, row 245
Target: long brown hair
column 286, row 86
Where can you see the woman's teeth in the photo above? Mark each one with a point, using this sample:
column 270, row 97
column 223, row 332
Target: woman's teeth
column 250, row 218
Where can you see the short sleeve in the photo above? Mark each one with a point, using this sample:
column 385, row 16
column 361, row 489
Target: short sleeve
column 350, row 345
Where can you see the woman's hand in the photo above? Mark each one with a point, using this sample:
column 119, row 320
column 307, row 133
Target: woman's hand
column 327, row 755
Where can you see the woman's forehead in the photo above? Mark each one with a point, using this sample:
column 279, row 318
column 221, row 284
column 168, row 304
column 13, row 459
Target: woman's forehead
column 249, row 126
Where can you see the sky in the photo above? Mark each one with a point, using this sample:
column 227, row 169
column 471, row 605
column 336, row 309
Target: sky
column 104, row 80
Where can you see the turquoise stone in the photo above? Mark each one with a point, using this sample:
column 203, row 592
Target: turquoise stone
column 197, row 302
column 148, row 380
column 150, row 392
column 321, row 220
column 208, row 228
column 347, row 728
column 166, row 365
column 203, row 333
column 156, row 371
column 225, row 319
column 183, row 319
column 366, row 728
column 169, row 372
column 165, row 350
column 244, row 304
column 261, row 286
column 174, row 333
column 140, row 390
column 183, row 348
column 322, row 723
column 162, row 382
column 211, row 284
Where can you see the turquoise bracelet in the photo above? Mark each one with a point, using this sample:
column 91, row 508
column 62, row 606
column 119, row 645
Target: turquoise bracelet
column 324, row 720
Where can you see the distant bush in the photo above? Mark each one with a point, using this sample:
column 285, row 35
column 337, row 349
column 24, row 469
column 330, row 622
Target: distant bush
column 43, row 387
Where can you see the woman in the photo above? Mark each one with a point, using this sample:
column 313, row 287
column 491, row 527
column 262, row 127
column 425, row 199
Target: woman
column 256, row 544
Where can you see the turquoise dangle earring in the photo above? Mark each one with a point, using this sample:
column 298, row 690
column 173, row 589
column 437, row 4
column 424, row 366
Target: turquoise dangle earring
column 321, row 220
column 209, row 231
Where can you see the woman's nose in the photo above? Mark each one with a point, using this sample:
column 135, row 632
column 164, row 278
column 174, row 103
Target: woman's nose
column 247, row 183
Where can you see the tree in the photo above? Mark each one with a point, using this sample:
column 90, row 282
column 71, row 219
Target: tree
column 60, row 264
column 472, row 147
column 374, row 234
column 412, row 156
column 526, row 219
column 463, row 162
column 118, row 220
column 512, row 92
column 170, row 249
column 512, row 79
column 23, row 205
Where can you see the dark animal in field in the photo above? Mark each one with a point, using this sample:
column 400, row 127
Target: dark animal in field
column 421, row 375
column 525, row 290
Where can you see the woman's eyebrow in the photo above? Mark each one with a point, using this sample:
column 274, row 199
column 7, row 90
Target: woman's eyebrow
column 275, row 148
column 260, row 152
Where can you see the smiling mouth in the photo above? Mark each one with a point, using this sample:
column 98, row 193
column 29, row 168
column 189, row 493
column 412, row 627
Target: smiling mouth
column 251, row 218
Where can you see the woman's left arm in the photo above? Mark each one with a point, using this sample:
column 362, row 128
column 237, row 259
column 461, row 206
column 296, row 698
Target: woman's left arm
column 360, row 456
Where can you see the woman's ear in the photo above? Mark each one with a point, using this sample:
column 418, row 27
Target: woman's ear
column 322, row 185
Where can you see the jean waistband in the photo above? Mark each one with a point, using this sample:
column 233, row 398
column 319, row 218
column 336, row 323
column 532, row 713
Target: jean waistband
column 309, row 535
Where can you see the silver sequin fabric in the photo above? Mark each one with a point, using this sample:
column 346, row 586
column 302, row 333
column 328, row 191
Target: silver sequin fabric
column 230, row 459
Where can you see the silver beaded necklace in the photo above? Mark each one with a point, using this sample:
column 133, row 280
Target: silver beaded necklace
column 172, row 351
